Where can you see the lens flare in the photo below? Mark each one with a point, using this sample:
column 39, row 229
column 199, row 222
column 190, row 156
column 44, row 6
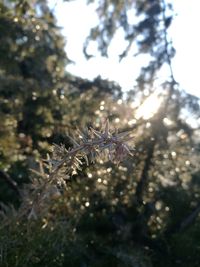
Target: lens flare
column 150, row 107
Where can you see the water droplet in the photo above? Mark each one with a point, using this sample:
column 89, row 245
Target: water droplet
column 87, row 204
column 158, row 205
column 187, row 163
column 101, row 108
column 89, row 175
column 119, row 102
column 148, row 125
column 146, row 92
column 167, row 122
column 109, row 169
column 131, row 122
column 173, row 153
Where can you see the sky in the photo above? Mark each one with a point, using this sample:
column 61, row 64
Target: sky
column 183, row 31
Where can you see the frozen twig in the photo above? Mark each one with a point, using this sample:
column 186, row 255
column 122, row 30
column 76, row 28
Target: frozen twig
column 66, row 162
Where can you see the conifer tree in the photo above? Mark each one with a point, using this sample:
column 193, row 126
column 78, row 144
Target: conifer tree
column 88, row 204
column 40, row 101
column 164, row 196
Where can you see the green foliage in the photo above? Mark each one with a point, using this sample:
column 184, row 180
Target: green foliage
column 32, row 66
column 39, row 101
column 142, row 211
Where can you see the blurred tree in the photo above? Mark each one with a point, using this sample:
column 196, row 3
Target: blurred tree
column 39, row 100
column 32, row 69
column 163, row 198
column 144, row 212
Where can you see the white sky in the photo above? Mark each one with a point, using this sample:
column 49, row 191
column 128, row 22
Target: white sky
column 77, row 18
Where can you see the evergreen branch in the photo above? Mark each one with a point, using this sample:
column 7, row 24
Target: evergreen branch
column 115, row 143
column 64, row 163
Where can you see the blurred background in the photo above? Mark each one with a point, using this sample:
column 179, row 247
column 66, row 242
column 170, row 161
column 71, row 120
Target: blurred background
column 72, row 64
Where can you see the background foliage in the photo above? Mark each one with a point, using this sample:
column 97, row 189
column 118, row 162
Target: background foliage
column 141, row 212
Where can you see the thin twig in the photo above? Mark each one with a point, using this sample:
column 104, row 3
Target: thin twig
column 190, row 218
column 167, row 43
column 12, row 184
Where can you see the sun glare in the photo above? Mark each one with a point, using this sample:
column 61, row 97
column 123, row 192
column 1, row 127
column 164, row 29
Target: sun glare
column 149, row 108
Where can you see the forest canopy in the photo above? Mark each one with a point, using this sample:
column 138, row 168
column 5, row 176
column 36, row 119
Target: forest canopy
column 89, row 177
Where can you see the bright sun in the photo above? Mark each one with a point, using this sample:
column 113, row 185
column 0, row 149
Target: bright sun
column 150, row 106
